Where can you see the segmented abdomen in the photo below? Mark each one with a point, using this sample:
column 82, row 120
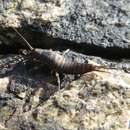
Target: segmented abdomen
column 60, row 63
column 66, row 66
column 74, row 67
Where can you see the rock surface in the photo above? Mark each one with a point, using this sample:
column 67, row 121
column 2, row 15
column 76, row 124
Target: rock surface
column 98, row 100
column 31, row 101
column 30, row 98
column 93, row 24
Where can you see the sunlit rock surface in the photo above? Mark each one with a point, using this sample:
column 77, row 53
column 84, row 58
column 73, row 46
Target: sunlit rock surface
column 101, row 23
column 29, row 95
column 96, row 100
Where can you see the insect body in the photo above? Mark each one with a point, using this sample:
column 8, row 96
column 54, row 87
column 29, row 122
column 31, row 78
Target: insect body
column 59, row 62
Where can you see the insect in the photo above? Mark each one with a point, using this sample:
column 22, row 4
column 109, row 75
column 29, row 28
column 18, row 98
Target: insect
column 58, row 62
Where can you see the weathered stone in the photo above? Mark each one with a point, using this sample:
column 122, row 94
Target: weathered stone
column 97, row 100
column 96, row 25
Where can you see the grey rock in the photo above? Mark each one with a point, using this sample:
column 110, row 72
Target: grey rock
column 90, row 24
column 30, row 100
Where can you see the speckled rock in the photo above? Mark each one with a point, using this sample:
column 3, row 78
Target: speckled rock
column 29, row 98
column 96, row 23
column 97, row 100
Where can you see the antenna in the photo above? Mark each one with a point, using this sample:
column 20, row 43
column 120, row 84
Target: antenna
column 26, row 42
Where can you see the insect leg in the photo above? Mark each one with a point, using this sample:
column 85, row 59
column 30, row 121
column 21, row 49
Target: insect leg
column 58, row 80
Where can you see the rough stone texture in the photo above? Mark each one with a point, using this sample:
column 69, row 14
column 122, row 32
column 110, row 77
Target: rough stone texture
column 98, row 100
column 101, row 23
column 30, row 100
column 29, row 96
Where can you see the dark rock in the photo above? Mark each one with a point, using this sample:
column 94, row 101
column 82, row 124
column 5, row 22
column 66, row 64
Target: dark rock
column 97, row 27
column 30, row 98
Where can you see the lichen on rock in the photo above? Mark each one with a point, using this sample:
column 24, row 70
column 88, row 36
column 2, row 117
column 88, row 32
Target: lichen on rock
column 95, row 101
